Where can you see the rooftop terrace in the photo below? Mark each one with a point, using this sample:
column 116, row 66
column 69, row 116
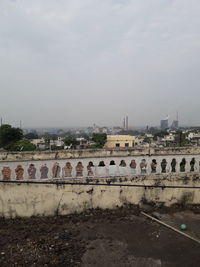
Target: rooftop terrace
column 100, row 238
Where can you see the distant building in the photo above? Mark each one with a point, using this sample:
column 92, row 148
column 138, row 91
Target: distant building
column 125, row 123
column 100, row 130
column 169, row 138
column 120, row 141
column 164, row 124
column 82, row 142
column 174, row 125
column 59, row 142
column 193, row 136
column 116, row 130
column 37, row 141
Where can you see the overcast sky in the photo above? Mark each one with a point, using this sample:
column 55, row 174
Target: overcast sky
column 79, row 62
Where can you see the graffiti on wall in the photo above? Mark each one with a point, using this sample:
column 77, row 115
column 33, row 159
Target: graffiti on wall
column 44, row 171
column 123, row 168
column 6, row 172
column 31, row 171
column 19, row 171
column 67, row 170
column 56, row 170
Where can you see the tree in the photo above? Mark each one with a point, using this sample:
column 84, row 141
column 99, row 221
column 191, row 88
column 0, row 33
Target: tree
column 180, row 139
column 9, row 136
column 153, row 130
column 47, row 142
column 147, row 140
column 24, row 145
column 160, row 134
column 85, row 136
column 31, row 136
column 69, row 140
column 50, row 136
column 99, row 139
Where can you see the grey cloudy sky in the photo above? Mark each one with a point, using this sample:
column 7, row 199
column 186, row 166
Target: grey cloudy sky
column 76, row 62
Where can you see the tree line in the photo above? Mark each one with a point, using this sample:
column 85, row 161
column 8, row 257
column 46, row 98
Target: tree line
column 13, row 139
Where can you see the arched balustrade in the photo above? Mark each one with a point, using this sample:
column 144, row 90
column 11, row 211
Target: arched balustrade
column 94, row 167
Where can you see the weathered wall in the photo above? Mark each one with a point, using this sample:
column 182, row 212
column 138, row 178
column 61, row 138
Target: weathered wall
column 124, row 184
column 25, row 199
column 96, row 153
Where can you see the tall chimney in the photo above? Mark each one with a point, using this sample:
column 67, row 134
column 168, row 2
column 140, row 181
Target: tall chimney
column 126, row 122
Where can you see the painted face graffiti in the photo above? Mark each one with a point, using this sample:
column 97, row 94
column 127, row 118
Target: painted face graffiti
column 56, row 170
column 79, row 169
column 32, row 171
column 19, row 171
column 90, row 169
column 67, row 170
column 6, row 172
column 133, row 164
column 44, row 171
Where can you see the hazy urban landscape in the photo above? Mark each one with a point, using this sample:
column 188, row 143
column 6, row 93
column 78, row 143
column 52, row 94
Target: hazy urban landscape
column 165, row 135
column 99, row 133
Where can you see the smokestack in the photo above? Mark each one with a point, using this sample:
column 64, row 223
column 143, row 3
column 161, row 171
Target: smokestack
column 126, row 122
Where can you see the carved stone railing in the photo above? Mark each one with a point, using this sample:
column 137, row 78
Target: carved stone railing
column 98, row 166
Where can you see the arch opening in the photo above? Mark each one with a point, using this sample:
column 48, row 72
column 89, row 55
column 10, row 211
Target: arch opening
column 89, row 169
column 192, row 164
column 67, row 170
column 122, row 163
column 101, row 164
column 164, row 166
column 182, row 165
column 143, row 166
column 112, row 163
column 173, row 165
column 153, row 166
column 79, row 169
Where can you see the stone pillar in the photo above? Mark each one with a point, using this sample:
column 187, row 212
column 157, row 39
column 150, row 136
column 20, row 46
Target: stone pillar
column 138, row 170
column 196, row 166
column 132, row 167
column 113, row 170
column 168, row 166
column 158, row 168
column 178, row 161
column 100, row 171
column 73, row 164
column 187, row 165
column 148, row 162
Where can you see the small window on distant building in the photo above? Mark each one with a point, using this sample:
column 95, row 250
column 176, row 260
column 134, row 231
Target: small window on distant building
column 117, row 145
column 126, row 144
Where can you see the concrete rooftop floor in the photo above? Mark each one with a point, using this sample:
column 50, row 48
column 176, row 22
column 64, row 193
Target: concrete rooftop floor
column 121, row 237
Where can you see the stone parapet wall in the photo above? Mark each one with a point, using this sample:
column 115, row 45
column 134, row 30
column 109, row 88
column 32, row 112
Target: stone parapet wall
column 96, row 153
column 47, row 198
column 110, row 165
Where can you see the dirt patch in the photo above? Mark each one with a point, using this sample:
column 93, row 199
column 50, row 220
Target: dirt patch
column 99, row 238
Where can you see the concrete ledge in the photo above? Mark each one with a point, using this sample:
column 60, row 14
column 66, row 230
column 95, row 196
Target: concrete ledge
column 92, row 153
column 46, row 198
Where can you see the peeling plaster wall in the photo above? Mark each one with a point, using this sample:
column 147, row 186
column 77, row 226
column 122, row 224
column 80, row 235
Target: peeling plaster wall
column 23, row 199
